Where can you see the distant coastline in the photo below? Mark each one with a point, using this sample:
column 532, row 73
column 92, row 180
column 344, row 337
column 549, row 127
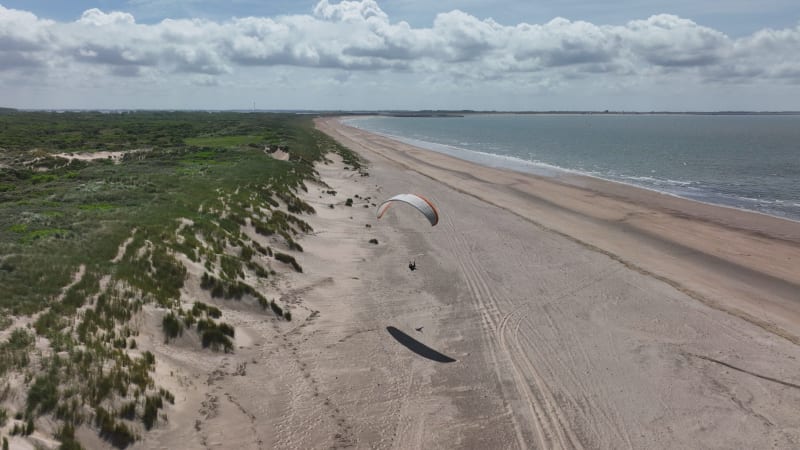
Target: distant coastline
column 403, row 113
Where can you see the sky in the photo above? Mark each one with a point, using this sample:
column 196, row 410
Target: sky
column 510, row 55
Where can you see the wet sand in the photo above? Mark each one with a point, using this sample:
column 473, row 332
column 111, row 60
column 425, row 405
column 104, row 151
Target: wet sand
column 568, row 313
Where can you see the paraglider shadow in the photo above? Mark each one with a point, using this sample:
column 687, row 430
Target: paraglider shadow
column 418, row 347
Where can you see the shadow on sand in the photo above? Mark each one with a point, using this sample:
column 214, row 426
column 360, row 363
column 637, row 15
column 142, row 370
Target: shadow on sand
column 418, row 347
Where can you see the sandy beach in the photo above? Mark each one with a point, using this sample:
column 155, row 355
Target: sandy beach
column 545, row 313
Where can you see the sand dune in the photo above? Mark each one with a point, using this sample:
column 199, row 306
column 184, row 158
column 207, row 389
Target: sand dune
column 541, row 315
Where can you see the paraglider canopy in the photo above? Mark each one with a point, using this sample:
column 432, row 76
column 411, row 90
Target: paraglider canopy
column 422, row 205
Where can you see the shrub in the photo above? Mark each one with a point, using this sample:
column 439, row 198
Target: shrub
column 226, row 329
column 67, row 437
column 214, row 312
column 167, row 395
column 43, row 394
column 276, row 308
column 287, row 315
column 29, row 428
column 205, row 324
column 128, row 411
column 348, row 202
column 151, row 406
column 246, row 253
column 172, row 326
column 149, row 358
column 115, row 432
column 259, row 248
column 288, row 259
column 373, row 241
column 214, row 338
column 294, row 246
column 207, row 281
column 189, row 319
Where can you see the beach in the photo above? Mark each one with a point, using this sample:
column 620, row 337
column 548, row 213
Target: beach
column 544, row 313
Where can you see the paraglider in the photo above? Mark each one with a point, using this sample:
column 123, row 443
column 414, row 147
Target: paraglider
column 422, row 205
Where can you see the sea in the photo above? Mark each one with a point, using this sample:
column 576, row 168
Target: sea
column 750, row 162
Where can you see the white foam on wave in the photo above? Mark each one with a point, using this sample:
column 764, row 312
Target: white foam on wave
column 688, row 190
column 657, row 181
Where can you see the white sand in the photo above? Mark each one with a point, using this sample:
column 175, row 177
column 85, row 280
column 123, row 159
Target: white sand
column 116, row 157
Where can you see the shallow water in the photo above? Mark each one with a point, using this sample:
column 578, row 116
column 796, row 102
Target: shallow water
column 743, row 161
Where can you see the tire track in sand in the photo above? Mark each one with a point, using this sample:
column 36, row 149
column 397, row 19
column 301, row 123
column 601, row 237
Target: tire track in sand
column 553, row 417
column 490, row 316
column 581, row 398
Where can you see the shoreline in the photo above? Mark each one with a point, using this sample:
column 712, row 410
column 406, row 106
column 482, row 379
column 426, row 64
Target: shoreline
column 539, row 169
column 734, row 260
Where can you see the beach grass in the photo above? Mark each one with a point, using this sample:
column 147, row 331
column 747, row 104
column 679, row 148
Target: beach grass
column 182, row 184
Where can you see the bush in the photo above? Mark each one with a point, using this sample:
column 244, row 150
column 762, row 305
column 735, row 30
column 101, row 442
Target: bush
column 288, row 259
column 214, row 338
column 205, row 324
column 246, row 253
column 43, row 394
column 294, row 246
column 128, row 411
column 348, row 202
column 172, row 326
column 373, row 241
column 151, row 406
column 275, row 308
column 214, row 312
column 67, row 437
column 226, row 329
column 287, row 315
column 115, row 432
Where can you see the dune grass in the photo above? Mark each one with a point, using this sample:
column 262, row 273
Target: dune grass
column 188, row 185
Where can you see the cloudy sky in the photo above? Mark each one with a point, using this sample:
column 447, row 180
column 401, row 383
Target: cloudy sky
column 401, row 54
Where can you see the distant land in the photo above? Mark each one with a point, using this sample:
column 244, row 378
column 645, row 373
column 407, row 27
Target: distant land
column 407, row 113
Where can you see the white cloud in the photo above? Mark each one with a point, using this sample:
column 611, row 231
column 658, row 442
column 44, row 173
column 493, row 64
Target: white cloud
column 98, row 18
column 350, row 11
column 669, row 41
column 359, row 37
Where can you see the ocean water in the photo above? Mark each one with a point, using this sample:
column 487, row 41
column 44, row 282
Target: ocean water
column 749, row 162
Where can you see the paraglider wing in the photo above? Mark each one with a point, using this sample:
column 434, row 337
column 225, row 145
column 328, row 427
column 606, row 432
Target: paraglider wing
column 422, row 204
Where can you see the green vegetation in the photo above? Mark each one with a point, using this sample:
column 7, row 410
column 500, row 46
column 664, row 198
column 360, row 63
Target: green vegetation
column 288, row 259
column 182, row 188
column 226, row 141
column 172, row 326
